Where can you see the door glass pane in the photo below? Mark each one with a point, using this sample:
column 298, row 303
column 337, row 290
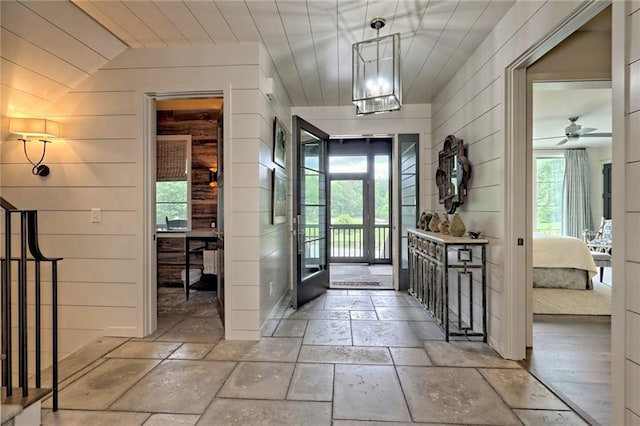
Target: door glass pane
column 313, row 220
column 408, row 161
column 347, row 218
column 382, row 201
column 347, row 202
column 348, row 164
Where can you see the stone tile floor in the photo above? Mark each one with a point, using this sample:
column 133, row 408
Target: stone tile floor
column 348, row 358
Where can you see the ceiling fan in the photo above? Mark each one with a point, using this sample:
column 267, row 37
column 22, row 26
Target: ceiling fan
column 575, row 131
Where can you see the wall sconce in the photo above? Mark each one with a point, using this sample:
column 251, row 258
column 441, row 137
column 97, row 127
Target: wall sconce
column 213, row 177
column 35, row 127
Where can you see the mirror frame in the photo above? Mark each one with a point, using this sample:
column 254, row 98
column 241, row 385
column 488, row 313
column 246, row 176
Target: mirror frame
column 453, row 173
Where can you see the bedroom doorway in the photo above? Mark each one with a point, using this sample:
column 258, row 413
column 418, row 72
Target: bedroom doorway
column 569, row 123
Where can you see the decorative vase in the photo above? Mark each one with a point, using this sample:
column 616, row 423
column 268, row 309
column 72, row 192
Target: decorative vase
column 423, row 222
column 444, row 225
column 434, row 222
column 457, row 227
column 427, row 219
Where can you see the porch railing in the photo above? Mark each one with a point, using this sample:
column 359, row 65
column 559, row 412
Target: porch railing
column 347, row 242
column 27, row 244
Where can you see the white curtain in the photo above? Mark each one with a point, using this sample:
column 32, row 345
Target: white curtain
column 576, row 204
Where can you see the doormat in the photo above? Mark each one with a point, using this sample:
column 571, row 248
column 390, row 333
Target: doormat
column 355, row 284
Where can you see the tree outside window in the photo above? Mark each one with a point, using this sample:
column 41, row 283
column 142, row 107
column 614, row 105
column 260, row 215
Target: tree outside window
column 549, row 176
column 171, row 201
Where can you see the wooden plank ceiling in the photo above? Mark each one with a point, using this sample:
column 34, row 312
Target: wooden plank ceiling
column 48, row 47
column 310, row 41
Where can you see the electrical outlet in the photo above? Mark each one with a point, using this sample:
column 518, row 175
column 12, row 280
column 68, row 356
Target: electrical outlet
column 270, row 288
column 96, row 215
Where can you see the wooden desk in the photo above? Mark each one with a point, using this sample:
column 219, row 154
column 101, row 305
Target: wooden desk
column 206, row 236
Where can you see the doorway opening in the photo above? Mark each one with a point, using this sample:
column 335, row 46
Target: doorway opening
column 360, row 212
column 182, row 192
column 571, row 303
column 569, row 123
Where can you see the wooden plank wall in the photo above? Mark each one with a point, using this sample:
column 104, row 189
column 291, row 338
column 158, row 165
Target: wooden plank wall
column 202, row 125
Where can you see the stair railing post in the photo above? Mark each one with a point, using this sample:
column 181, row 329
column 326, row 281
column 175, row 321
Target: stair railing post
column 23, row 364
column 54, row 321
column 38, row 326
column 7, row 370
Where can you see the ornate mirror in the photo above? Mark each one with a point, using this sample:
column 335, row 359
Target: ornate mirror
column 453, row 173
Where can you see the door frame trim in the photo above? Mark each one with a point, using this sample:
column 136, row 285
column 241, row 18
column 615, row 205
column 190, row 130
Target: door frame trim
column 518, row 259
column 149, row 237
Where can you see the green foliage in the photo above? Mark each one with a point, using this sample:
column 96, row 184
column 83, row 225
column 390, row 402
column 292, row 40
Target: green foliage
column 171, row 201
column 549, row 177
column 347, row 199
column 382, row 198
column 345, row 219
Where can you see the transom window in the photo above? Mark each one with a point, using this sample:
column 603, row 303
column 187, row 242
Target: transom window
column 348, row 164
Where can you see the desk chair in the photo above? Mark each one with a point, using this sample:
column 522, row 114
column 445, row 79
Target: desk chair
column 176, row 224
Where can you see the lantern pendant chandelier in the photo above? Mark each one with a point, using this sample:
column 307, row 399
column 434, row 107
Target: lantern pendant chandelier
column 376, row 73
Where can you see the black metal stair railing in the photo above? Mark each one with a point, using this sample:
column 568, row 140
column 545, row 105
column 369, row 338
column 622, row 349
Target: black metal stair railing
column 28, row 243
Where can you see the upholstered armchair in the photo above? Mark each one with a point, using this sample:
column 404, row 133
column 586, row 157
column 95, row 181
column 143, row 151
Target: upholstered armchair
column 599, row 243
column 600, row 240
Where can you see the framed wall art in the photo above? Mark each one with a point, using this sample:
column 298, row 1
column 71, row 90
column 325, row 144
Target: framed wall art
column 278, row 196
column 279, row 143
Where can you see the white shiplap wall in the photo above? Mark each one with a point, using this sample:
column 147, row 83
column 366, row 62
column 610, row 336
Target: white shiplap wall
column 99, row 163
column 261, row 249
column 471, row 106
column 629, row 233
column 276, row 255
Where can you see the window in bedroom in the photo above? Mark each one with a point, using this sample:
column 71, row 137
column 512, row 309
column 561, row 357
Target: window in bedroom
column 549, row 174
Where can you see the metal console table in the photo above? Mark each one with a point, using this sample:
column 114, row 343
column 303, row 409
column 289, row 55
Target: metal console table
column 433, row 257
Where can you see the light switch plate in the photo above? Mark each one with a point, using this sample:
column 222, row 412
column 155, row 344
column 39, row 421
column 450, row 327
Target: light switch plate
column 96, row 215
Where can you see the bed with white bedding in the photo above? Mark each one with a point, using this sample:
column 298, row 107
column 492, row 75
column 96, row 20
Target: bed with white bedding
column 562, row 262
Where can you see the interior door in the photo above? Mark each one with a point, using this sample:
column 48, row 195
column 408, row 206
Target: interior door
column 310, row 212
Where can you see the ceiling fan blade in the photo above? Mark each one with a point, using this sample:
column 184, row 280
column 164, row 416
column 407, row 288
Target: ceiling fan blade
column 586, row 130
column 563, row 141
column 596, row 135
column 549, row 137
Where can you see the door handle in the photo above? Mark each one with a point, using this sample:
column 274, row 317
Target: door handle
column 300, row 234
